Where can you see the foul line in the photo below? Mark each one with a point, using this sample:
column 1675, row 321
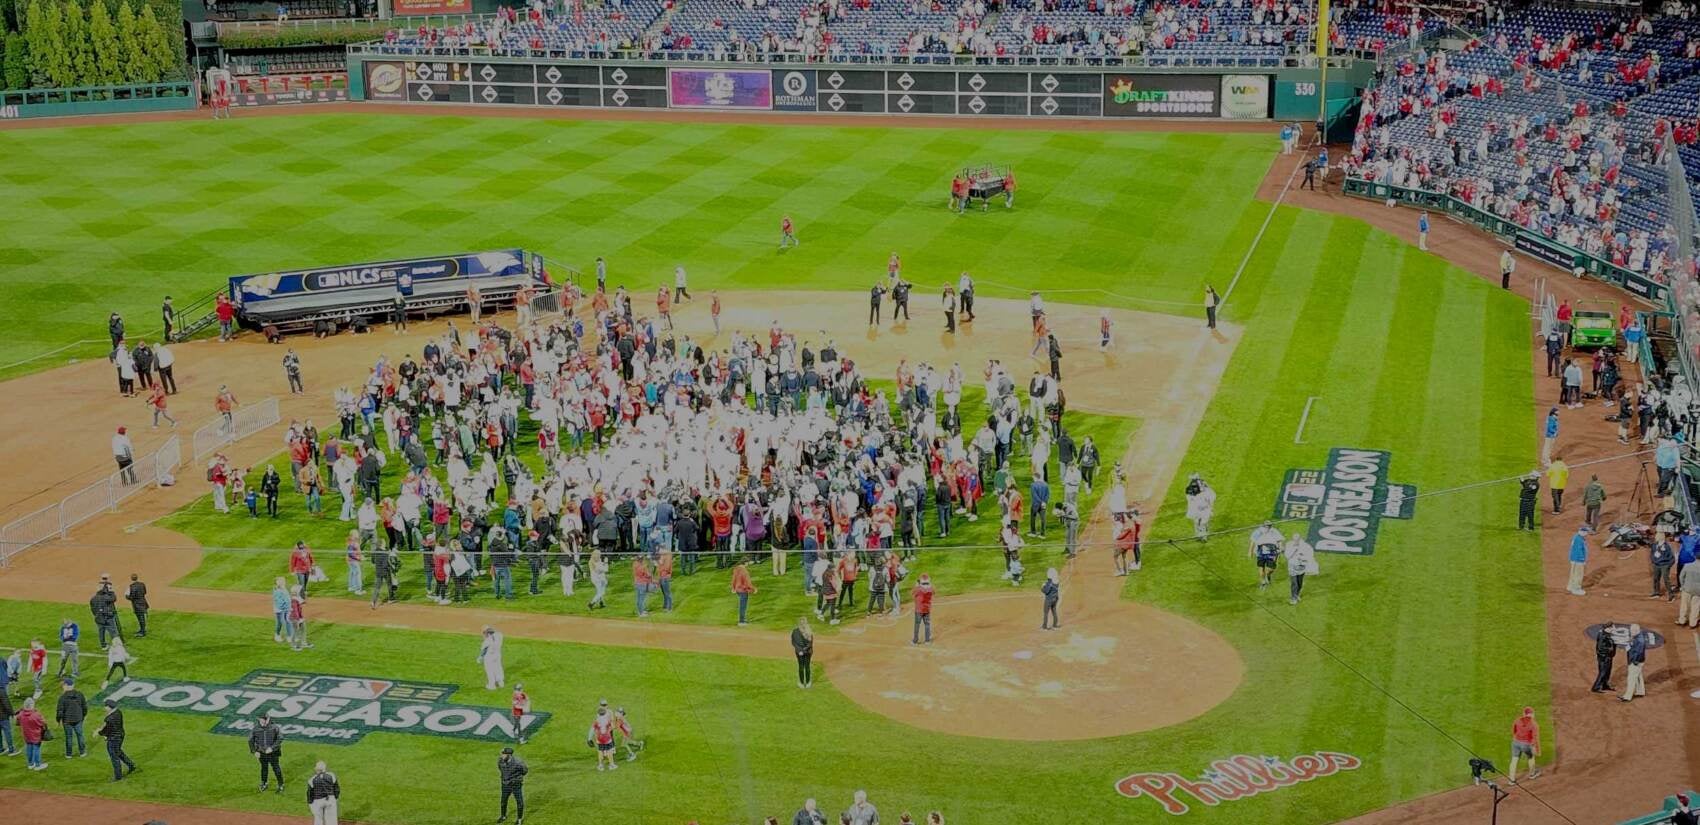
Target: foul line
column 1251, row 250
column 1298, row 435
column 49, row 352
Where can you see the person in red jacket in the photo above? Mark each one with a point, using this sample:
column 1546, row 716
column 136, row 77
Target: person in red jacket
column 440, row 574
column 301, row 565
column 641, row 581
column 1127, row 542
column 226, row 312
column 1526, row 742
column 923, row 599
column 744, row 588
column 34, row 728
column 720, row 514
column 787, row 233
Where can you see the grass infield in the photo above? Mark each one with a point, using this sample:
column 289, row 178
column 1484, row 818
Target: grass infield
column 1407, row 659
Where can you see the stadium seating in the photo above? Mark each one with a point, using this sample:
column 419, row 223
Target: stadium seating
column 1574, row 99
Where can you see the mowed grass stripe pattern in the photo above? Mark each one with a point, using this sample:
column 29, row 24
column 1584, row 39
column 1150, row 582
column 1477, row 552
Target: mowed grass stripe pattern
column 1408, row 355
column 104, row 218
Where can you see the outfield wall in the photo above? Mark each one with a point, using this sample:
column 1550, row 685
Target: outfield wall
column 1239, row 93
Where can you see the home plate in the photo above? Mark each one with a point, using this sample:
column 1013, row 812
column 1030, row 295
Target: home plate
column 1023, row 654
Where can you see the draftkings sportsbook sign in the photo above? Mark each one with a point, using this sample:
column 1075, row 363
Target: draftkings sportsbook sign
column 1346, row 501
column 324, row 709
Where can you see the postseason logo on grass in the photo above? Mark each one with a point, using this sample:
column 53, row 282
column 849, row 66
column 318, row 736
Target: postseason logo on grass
column 1236, row 777
column 325, row 709
column 1346, row 502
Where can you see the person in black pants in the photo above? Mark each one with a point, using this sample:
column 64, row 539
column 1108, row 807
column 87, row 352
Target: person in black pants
column 874, row 296
column 1055, row 351
column 1555, row 353
column 1528, row 490
column 270, row 485
column 138, row 598
column 265, row 742
column 112, row 730
column 803, row 644
column 1605, row 649
column 900, row 300
column 511, row 771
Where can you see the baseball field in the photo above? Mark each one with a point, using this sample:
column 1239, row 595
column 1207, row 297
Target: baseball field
column 1343, row 351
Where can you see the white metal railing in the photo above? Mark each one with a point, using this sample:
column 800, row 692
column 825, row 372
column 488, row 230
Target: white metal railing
column 103, row 496
column 1225, row 59
column 244, row 421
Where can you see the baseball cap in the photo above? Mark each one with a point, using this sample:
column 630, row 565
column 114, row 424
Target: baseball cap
column 112, row 703
column 507, row 751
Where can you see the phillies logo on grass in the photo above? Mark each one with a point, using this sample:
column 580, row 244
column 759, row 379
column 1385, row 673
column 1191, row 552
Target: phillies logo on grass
column 1236, row 777
column 325, row 709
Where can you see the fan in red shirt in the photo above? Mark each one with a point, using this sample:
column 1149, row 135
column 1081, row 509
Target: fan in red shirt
column 1127, row 542
column 521, row 706
column 787, row 233
column 1525, row 742
column 301, row 564
column 923, row 600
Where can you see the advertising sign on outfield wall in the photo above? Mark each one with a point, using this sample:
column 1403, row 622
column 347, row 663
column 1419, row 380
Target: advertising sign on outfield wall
column 404, row 8
column 1245, row 96
column 1162, row 95
column 386, row 80
column 720, row 88
column 794, row 90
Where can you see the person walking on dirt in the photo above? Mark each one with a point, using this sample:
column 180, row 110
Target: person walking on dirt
column 1508, row 265
column 1554, row 345
column 1578, row 560
column 265, row 742
column 948, row 300
column 803, row 645
column 137, row 596
column 1422, row 230
column 292, row 370
column 922, row 598
column 1211, row 302
column 124, row 453
column 681, row 285
column 965, row 295
column 225, row 310
column 875, row 293
column 1558, row 476
column 1635, row 684
column 225, row 403
column 157, row 404
column 1688, row 612
column 1593, row 497
column 1549, row 436
column 1310, row 176
column 1052, row 589
column 1525, row 743
column 163, row 361
column 1605, row 650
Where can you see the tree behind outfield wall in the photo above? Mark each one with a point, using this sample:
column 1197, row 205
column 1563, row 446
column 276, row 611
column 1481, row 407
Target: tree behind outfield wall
column 103, row 44
column 132, row 61
column 15, row 69
column 77, row 45
column 161, row 60
column 44, row 31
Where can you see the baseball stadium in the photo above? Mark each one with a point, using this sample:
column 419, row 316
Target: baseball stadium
column 812, row 412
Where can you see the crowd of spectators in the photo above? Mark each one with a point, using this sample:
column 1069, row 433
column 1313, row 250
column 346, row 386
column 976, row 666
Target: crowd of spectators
column 1553, row 120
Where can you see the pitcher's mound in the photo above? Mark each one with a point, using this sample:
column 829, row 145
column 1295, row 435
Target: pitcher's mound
column 991, row 672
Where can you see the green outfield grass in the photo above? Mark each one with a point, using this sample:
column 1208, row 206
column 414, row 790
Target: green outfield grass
column 1408, row 659
column 114, row 218
column 259, row 547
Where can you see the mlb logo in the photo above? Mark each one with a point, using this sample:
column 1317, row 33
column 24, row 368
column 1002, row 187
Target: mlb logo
column 342, row 687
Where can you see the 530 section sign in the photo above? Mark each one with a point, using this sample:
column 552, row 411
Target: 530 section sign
column 325, row 709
